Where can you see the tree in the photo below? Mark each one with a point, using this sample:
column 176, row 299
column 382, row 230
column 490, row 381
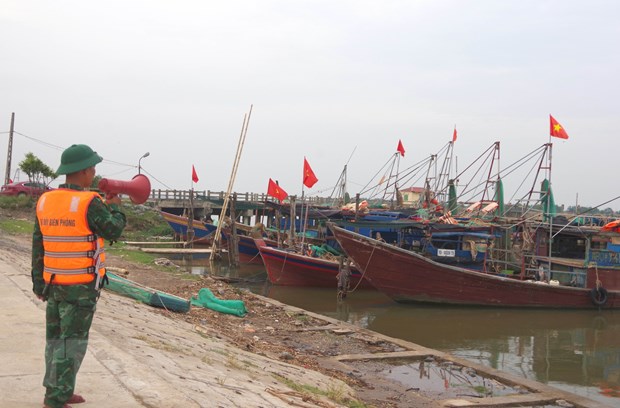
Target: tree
column 36, row 170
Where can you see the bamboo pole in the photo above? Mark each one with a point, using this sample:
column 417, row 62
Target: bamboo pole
column 231, row 182
column 292, row 218
column 190, row 221
column 234, row 240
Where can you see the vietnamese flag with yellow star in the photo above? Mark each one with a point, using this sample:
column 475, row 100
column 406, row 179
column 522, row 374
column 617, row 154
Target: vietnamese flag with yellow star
column 556, row 129
column 276, row 191
column 309, row 176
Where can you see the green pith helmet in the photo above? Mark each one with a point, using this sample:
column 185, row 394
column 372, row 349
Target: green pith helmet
column 77, row 157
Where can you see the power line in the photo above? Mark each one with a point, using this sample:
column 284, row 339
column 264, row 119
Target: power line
column 34, row 139
column 40, row 141
column 156, row 179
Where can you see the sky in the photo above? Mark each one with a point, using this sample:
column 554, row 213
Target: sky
column 336, row 82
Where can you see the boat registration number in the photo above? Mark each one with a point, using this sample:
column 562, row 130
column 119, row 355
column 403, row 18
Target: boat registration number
column 446, row 252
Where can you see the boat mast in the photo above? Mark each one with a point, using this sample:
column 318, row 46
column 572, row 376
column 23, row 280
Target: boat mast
column 549, row 210
column 442, row 181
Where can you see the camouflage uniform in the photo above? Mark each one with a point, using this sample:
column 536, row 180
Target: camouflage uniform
column 70, row 308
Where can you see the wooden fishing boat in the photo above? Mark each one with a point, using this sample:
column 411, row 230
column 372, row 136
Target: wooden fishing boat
column 289, row 268
column 409, row 277
column 248, row 252
column 180, row 225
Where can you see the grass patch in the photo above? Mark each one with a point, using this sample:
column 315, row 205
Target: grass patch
column 233, row 362
column 17, row 203
column 144, row 223
column 160, row 345
column 17, row 227
column 120, row 249
column 336, row 394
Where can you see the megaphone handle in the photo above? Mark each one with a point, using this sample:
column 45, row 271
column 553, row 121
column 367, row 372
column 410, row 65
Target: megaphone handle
column 112, row 198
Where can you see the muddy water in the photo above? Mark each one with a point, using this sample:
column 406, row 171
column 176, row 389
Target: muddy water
column 577, row 351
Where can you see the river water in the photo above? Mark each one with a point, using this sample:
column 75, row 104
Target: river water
column 577, row 351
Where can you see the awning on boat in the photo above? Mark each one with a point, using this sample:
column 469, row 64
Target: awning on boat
column 394, row 225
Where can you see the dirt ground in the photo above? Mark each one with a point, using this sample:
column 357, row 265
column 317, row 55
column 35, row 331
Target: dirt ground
column 279, row 332
column 271, row 329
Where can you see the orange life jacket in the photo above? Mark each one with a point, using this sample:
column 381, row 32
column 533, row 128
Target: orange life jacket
column 73, row 253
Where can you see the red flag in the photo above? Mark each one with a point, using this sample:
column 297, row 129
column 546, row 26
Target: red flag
column 400, row 149
column 276, row 191
column 454, row 135
column 309, row 177
column 194, row 175
column 556, row 129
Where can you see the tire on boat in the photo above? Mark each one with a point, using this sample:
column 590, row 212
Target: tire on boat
column 598, row 296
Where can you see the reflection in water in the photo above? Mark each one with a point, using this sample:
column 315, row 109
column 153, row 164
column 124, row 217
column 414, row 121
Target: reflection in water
column 578, row 351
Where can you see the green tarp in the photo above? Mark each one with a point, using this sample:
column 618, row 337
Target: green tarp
column 452, row 199
column 157, row 298
column 547, row 201
column 499, row 197
column 207, row 299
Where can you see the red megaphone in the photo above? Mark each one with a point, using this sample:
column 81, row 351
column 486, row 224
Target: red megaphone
column 138, row 188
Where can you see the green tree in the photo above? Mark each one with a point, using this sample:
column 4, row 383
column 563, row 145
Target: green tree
column 37, row 171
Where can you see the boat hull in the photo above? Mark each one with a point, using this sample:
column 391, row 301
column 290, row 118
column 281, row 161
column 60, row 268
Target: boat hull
column 248, row 252
column 292, row 269
column 179, row 225
column 408, row 277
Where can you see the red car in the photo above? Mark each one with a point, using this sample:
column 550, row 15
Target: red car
column 24, row 188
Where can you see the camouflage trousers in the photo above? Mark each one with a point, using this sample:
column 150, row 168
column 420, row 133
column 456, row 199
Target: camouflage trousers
column 69, row 314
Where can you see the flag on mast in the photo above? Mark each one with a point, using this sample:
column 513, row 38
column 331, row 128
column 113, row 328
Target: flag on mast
column 276, row 191
column 556, row 129
column 194, row 175
column 309, row 176
column 454, row 135
column 400, row 149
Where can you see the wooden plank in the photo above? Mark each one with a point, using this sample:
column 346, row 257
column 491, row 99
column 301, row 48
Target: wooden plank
column 153, row 243
column 176, row 250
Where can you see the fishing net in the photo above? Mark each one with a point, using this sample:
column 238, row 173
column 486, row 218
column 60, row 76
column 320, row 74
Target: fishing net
column 144, row 294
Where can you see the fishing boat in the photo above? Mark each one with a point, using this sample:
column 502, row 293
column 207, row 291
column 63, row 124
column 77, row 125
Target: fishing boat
column 179, row 224
column 289, row 268
column 409, row 277
column 248, row 252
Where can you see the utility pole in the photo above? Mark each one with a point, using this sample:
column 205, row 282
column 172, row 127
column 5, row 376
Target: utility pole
column 7, row 175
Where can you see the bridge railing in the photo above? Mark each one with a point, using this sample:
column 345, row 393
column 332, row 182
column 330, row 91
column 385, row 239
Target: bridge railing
column 180, row 195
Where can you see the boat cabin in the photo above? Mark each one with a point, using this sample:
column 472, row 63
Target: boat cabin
column 459, row 247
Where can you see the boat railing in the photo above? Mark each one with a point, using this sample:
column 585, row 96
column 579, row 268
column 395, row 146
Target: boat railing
column 503, row 262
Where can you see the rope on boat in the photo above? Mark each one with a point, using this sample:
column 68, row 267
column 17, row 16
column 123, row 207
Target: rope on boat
column 283, row 265
column 344, row 277
column 252, row 259
column 598, row 281
column 364, row 271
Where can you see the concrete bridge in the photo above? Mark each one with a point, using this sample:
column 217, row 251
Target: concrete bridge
column 206, row 202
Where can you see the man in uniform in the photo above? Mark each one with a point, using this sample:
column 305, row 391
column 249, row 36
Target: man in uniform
column 68, row 267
